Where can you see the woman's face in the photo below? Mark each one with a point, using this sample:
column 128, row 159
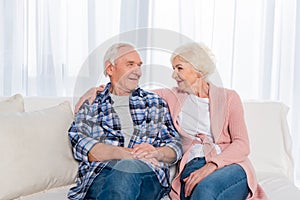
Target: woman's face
column 184, row 74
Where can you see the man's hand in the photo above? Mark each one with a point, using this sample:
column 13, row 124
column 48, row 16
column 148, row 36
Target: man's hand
column 197, row 176
column 103, row 152
column 146, row 152
column 90, row 95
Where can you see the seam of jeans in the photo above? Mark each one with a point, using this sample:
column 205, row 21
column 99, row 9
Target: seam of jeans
column 238, row 181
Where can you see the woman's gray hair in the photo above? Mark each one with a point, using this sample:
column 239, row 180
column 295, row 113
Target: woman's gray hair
column 198, row 55
column 113, row 53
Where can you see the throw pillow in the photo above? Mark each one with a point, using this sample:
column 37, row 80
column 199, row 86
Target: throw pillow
column 35, row 151
column 12, row 104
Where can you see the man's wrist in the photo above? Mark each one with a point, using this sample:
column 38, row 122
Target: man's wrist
column 160, row 154
column 166, row 154
column 124, row 153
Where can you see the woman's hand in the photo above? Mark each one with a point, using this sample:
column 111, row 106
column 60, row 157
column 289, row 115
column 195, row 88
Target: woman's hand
column 90, row 95
column 197, row 176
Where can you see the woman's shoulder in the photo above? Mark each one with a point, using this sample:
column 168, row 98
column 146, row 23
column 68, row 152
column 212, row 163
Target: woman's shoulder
column 170, row 95
column 166, row 92
column 230, row 93
column 233, row 98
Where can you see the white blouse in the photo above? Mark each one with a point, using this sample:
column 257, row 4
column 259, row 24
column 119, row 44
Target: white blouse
column 194, row 118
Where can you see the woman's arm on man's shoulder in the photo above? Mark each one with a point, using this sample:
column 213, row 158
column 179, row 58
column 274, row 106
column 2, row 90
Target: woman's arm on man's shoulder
column 91, row 95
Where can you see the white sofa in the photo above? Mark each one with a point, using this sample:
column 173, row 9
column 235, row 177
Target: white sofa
column 37, row 164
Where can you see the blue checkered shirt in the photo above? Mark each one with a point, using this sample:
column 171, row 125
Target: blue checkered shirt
column 99, row 123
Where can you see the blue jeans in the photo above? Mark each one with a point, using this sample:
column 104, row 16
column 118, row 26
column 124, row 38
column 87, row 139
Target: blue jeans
column 126, row 179
column 229, row 182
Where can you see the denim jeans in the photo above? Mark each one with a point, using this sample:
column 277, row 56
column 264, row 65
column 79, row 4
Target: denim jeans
column 126, row 179
column 229, row 182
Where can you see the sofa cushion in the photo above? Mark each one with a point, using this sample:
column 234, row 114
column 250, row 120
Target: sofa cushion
column 278, row 186
column 12, row 104
column 35, row 151
column 59, row 193
column 269, row 138
column 38, row 103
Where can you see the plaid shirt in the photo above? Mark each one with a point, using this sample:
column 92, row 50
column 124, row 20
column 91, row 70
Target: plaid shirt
column 99, row 123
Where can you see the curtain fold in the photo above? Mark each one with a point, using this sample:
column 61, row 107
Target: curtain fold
column 45, row 42
column 295, row 114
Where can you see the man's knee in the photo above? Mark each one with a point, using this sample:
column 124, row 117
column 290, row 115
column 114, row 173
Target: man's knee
column 132, row 166
column 126, row 173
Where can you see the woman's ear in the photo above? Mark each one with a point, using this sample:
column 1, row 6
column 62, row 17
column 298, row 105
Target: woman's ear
column 199, row 74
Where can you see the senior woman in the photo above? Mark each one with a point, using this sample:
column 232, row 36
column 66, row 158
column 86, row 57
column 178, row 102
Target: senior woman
column 214, row 136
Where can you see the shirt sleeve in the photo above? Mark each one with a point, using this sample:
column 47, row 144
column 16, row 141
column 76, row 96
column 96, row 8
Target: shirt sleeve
column 81, row 132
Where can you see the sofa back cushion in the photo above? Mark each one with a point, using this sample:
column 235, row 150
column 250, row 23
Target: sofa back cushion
column 35, row 103
column 35, row 151
column 269, row 137
column 12, row 104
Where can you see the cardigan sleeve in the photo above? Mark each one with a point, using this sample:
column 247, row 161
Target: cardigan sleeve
column 160, row 92
column 238, row 149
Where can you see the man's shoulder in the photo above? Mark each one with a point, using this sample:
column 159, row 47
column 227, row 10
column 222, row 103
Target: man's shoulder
column 148, row 95
column 102, row 96
column 92, row 109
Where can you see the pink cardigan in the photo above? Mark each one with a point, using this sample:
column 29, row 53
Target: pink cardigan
column 228, row 129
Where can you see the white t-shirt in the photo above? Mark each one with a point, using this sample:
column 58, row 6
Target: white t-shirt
column 194, row 118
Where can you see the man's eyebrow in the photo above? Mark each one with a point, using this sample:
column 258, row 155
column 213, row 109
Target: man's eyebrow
column 132, row 62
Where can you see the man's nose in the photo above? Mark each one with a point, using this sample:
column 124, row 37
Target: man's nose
column 138, row 70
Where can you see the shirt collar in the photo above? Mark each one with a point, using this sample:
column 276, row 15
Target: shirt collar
column 105, row 94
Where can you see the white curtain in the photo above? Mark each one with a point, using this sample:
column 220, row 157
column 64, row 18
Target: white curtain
column 43, row 43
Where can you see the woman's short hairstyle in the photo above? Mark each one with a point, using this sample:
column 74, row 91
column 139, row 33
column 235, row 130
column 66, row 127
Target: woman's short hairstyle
column 198, row 55
column 113, row 53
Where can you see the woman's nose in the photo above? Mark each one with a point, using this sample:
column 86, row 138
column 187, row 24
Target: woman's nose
column 174, row 74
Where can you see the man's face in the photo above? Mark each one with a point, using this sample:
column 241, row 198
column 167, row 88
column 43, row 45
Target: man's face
column 126, row 72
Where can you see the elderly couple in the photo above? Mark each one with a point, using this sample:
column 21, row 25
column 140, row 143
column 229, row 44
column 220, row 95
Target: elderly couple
column 125, row 138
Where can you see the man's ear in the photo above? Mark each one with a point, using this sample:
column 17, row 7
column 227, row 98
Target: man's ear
column 108, row 68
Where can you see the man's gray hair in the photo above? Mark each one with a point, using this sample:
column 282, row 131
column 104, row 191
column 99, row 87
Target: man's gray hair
column 112, row 53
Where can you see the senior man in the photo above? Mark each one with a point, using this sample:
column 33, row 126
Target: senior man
column 125, row 141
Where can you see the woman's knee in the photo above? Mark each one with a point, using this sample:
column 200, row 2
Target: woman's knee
column 227, row 182
column 206, row 192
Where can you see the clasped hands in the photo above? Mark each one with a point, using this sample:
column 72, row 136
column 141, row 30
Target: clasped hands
column 103, row 152
column 146, row 152
column 149, row 153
